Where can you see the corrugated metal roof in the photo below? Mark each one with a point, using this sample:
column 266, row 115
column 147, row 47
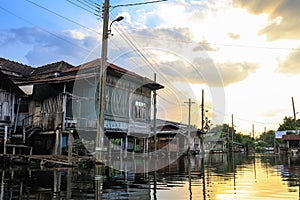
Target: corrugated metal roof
column 53, row 67
column 12, row 66
column 291, row 137
column 68, row 72
column 94, row 64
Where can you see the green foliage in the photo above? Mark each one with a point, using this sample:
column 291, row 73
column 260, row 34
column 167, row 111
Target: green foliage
column 245, row 139
column 226, row 131
column 116, row 141
column 267, row 139
column 289, row 124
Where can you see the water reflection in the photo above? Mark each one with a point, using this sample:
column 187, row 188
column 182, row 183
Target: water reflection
column 216, row 176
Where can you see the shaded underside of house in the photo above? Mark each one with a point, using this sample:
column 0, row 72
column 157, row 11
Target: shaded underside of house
column 7, row 84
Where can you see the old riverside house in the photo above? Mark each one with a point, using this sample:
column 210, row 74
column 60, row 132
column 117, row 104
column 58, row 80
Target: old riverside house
column 41, row 106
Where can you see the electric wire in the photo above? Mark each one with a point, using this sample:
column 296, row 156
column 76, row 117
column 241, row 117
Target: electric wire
column 164, row 39
column 142, row 52
column 68, row 19
column 94, row 12
column 138, row 4
column 239, row 118
column 147, row 62
column 87, row 5
column 44, row 30
column 218, row 44
column 92, row 3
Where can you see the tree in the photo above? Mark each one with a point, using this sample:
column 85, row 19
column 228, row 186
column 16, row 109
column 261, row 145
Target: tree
column 225, row 130
column 289, row 124
column 267, row 139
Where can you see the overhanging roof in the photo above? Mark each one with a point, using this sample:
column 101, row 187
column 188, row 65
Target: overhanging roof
column 88, row 70
column 7, row 84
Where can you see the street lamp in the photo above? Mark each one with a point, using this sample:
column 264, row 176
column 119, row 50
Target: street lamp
column 120, row 18
column 102, row 81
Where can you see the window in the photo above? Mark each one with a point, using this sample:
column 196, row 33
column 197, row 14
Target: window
column 140, row 110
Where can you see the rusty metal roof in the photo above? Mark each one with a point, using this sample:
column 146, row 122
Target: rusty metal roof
column 291, row 137
column 14, row 67
column 67, row 72
column 53, row 67
column 88, row 69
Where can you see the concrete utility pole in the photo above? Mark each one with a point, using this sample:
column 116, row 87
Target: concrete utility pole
column 202, row 127
column 100, row 149
column 189, row 122
column 102, row 80
column 154, row 115
column 253, row 131
column 202, row 110
column 294, row 111
column 232, row 131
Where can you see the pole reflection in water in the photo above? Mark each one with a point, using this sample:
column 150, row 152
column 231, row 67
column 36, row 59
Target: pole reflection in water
column 99, row 169
column 190, row 178
column 69, row 183
column 233, row 167
column 215, row 176
column 154, row 182
column 2, row 185
column 202, row 174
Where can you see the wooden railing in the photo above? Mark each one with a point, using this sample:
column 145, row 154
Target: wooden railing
column 41, row 122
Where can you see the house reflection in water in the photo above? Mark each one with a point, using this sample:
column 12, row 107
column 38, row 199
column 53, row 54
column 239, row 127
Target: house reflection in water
column 77, row 183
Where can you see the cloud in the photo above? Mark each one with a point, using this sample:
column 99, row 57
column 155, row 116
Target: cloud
column 234, row 36
column 45, row 47
column 204, row 46
column 274, row 112
column 283, row 17
column 291, row 65
column 233, row 72
column 205, row 71
column 172, row 54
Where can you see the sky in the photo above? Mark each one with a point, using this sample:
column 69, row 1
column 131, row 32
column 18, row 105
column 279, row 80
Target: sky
column 244, row 55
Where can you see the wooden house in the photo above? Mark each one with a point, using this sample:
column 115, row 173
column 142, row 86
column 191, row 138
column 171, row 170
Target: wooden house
column 9, row 95
column 12, row 73
column 12, row 105
column 66, row 98
column 172, row 138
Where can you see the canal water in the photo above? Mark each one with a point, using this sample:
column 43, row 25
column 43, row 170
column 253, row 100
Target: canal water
column 216, row 176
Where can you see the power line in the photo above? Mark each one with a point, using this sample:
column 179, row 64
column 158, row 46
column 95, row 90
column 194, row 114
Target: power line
column 218, row 44
column 138, row 4
column 168, row 101
column 148, row 63
column 164, row 39
column 141, row 52
column 68, row 19
column 92, row 3
column 53, row 34
column 87, row 5
column 94, row 12
column 241, row 119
